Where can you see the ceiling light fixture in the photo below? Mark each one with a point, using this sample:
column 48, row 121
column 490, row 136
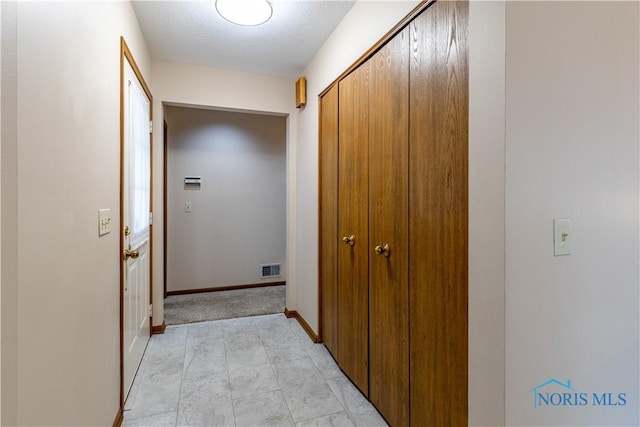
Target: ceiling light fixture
column 245, row 12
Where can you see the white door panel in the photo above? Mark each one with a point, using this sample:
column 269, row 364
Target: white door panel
column 136, row 228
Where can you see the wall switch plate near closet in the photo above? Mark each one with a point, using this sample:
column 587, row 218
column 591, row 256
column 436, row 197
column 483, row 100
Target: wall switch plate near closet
column 188, row 207
column 561, row 236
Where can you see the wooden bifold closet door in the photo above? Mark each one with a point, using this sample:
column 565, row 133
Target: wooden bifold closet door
column 388, row 225
column 438, row 172
column 353, row 218
column 328, row 229
column 394, row 220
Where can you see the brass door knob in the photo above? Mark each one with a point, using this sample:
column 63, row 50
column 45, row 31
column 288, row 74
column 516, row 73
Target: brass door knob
column 349, row 240
column 130, row 254
column 383, row 249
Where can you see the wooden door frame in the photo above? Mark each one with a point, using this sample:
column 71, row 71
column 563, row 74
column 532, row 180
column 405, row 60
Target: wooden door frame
column 165, row 208
column 126, row 55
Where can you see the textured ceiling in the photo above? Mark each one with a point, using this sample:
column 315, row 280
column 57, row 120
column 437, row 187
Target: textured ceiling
column 192, row 32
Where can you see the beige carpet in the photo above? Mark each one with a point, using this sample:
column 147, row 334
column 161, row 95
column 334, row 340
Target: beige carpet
column 179, row 309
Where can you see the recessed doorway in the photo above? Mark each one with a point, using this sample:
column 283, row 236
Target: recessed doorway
column 225, row 193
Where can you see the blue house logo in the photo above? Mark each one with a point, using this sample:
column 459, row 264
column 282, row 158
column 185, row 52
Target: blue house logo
column 540, row 397
column 553, row 393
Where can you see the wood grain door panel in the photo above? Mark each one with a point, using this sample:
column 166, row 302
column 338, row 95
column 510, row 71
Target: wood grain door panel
column 438, row 204
column 388, row 212
column 353, row 288
column 394, row 169
column 329, row 219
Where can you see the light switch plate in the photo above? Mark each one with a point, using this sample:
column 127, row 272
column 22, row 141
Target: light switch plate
column 561, row 236
column 188, row 206
column 104, row 222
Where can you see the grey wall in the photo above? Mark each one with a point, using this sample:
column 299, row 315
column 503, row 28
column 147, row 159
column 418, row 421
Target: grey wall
column 238, row 217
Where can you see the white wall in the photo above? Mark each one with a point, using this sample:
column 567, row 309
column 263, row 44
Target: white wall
column 191, row 85
column 68, row 151
column 238, row 215
column 486, row 212
column 572, row 152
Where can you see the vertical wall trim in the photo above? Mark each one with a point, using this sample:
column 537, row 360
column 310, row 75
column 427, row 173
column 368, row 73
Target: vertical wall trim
column 319, row 335
column 291, row 251
column 164, row 207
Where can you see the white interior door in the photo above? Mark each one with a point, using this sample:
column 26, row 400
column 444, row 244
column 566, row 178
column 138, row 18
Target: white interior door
column 136, row 223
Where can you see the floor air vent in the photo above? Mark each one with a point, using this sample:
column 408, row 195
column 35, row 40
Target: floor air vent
column 270, row 270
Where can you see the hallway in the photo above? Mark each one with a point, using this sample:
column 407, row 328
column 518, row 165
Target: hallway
column 252, row 371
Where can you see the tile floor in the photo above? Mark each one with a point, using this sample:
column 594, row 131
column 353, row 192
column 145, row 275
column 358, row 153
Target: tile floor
column 252, row 371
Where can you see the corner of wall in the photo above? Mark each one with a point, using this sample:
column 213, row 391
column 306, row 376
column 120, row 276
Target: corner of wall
column 292, row 211
column 486, row 213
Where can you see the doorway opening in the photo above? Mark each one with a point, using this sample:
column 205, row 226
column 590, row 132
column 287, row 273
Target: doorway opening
column 225, row 192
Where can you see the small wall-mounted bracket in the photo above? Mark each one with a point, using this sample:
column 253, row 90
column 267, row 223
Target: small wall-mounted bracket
column 301, row 92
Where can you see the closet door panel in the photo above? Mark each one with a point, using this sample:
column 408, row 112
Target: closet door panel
column 353, row 291
column 329, row 218
column 439, row 216
column 388, row 212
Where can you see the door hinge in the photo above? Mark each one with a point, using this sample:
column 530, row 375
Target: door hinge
column 150, row 126
column 150, row 310
column 150, row 218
